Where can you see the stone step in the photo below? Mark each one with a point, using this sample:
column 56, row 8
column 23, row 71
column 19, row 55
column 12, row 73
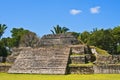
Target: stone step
column 42, row 61
column 41, row 71
column 55, row 57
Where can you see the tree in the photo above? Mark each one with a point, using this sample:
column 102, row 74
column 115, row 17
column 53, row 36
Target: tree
column 59, row 30
column 3, row 27
column 7, row 42
column 108, row 42
column 116, row 34
column 17, row 33
column 103, row 39
column 30, row 39
column 3, row 50
column 24, row 38
column 85, row 36
column 64, row 29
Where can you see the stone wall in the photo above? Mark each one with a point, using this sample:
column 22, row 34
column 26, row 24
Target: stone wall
column 77, row 54
column 58, row 39
column 107, row 69
column 107, row 64
column 41, row 61
column 80, row 59
column 78, row 49
column 15, row 52
column 77, row 59
column 111, row 59
column 81, row 70
column 4, row 68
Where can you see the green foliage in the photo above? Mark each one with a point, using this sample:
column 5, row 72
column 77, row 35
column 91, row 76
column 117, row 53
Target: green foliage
column 3, row 27
column 58, row 30
column 25, row 38
column 8, row 42
column 17, row 33
column 116, row 33
column 103, row 39
column 3, row 51
column 118, row 49
column 85, row 36
column 108, row 39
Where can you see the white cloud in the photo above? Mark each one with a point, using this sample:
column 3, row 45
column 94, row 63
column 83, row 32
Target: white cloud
column 95, row 10
column 75, row 11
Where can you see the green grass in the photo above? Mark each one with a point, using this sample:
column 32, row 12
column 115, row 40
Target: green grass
column 101, row 51
column 5, row 76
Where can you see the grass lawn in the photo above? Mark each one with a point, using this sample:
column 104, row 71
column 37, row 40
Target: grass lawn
column 5, row 76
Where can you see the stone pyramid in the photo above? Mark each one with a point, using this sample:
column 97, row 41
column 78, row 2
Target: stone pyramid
column 41, row 61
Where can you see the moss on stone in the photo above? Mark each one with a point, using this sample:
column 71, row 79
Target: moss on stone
column 82, row 65
column 77, row 55
column 5, row 64
column 101, row 51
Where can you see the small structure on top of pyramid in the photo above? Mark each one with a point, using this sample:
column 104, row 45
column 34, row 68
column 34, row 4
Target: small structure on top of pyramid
column 58, row 39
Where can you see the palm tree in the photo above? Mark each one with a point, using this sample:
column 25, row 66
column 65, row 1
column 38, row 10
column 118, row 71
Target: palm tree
column 64, row 30
column 2, row 29
column 59, row 30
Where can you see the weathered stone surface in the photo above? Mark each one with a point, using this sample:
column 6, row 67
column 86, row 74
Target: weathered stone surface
column 78, row 49
column 54, row 60
column 15, row 52
column 41, row 60
column 107, row 69
column 58, row 39
column 112, row 59
column 4, row 68
column 82, row 70
column 81, row 54
column 77, row 59
column 107, row 64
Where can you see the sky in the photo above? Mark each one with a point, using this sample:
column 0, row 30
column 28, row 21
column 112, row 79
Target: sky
column 40, row 16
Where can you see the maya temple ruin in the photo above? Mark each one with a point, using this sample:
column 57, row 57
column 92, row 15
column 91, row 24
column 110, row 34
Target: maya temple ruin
column 61, row 54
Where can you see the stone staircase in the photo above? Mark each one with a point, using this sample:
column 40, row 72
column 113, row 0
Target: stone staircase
column 79, row 60
column 41, row 61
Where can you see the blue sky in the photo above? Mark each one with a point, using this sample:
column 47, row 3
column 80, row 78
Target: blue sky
column 40, row 16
